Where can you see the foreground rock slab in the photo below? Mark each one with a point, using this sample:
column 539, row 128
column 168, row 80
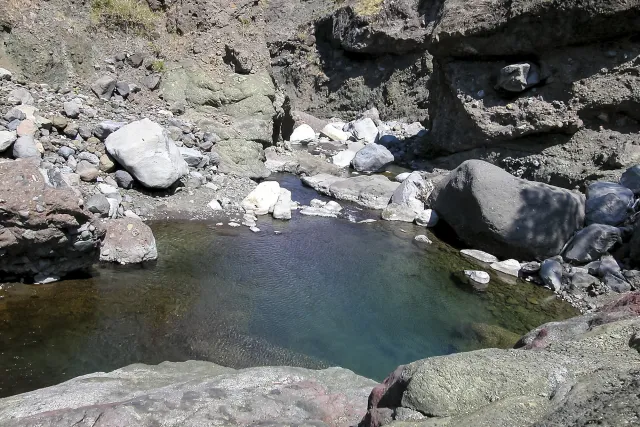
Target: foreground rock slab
column 509, row 217
column 195, row 394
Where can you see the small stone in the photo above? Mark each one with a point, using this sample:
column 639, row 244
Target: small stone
column 24, row 147
column 71, row 109
column 103, row 87
column 87, row 171
column 26, row 128
column 124, row 179
column 427, row 218
column 303, row 133
column 422, row 239
column 215, row 205
column 106, row 163
column 478, row 279
column 6, row 139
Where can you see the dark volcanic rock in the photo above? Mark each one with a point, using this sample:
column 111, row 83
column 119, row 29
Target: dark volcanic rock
column 506, row 216
column 503, row 28
column 591, row 242
column 43, row 230
column 191, row 394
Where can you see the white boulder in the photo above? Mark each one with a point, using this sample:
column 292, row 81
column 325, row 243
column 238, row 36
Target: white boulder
column 263, row 198
column 145, row 150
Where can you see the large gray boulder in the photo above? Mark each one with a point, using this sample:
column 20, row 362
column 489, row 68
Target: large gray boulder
column 407, row 200
column 145, row 150
column 507, row 216
column 608, row 203
column 193, row 394
column 591, row 242
column 372, row 158
column 631, row 179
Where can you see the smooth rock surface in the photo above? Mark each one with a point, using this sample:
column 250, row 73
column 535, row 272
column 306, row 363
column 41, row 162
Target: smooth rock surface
column 282, row 208
column 607, row 203
column 146, row 151
column 190, row 394
column 494, row 211
column 303, row 133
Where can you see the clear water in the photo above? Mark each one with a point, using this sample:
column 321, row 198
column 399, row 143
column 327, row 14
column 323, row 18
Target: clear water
column 323, row 292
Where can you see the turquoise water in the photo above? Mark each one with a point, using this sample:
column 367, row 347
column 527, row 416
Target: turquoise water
column 322, row 292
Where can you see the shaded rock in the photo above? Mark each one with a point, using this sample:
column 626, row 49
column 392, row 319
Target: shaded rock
column 263, row 198
column 496, row 212
column 551, row 274
column 631, row 179
column 427, row 218
column 106, row 128
column 123, row 89
column 151, row 82
column 145, row 150
column 103, row 87
column 5, row 74
column 25, row 147
column 372, row 158
column 591, row 242
column 303, row 133
column 124, row 179
column 282, row 208
column 14, row 114
column 41, row 226
column 192, row 156
column 518, row 77
column 128, row 241
column 241, row 158
column 616, row 283
column 580, row 280
column 135, row 60
column 607, row 203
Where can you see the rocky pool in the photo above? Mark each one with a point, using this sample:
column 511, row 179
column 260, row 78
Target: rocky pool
column 319, row 292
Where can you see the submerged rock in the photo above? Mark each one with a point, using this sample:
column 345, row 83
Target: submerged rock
column 128, row 241
column 477, row 279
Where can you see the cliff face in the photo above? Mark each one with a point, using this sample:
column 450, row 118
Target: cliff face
column 547, row 90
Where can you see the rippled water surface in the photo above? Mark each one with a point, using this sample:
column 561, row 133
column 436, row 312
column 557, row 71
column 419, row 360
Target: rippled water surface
column 322, row 292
